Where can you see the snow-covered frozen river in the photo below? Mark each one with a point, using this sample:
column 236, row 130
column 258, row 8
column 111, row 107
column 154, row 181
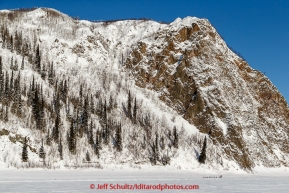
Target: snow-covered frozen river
column 30, row 181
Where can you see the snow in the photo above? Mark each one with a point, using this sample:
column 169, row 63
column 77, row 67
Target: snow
column 187, row 21
column 222, row 125
column 36, row 13
column 80, row 180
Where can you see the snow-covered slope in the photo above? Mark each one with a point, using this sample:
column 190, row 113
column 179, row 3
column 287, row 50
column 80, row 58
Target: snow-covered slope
column 181, row 74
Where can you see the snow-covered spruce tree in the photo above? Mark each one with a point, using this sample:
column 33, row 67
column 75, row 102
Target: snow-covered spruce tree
column 176, row 138
column 36, row 108
column 10, row 44
column 110, row 107
column 162, row 142
column 97, row 146
column 11, row 63
column 22, row 63
column 87, row 157
column 51, row 75
column 24, row 151
column 15, row 67
column 80, row 91
column 48, row 138
column 99, row 136
column 104, row 113
column 129, row 105
column 37, row 60
column 143, row 145
column 6, row 115
column 134, row 111
column 153, row 159
column 11, row 87
column 165, row 159
column 43, row 72
column 90, row 134
column 42, row 118
column 65, row 91
column 85, row 115
column 7, row 91
column 106, row 134
column 202, row 157
column 157, row 147
column 71, row 141
column 55, row 134
column 118, row 139
column 1, row 80
column 92, row 110
column 19, row 106
column 41, row 151
column 25, row 49
column 60, row 148
column 4, row 43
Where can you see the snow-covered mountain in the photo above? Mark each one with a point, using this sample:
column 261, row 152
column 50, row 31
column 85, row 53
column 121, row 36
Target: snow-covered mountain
column 182, row 75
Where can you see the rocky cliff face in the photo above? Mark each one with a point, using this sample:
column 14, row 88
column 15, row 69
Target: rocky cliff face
column 194, row 72
column 185, row 63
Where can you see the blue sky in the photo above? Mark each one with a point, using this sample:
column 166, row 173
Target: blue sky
column 259, row 30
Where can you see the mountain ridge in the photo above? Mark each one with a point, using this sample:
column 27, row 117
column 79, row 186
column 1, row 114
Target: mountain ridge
column 184, row 66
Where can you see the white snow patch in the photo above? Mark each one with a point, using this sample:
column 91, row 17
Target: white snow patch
column 223, row 125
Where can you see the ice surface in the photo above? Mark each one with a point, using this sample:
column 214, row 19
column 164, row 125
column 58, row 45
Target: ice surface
column 79, row 180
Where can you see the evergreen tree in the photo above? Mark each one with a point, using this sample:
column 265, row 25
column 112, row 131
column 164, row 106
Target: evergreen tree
column 48, row 138
column 99, row 135
column 87, row 157
column 106, row 134
column 134, row 111
column 97, row 144
column 7, row 91
column 60, row 148
column 118, row 140
column 99, row 109
column 1, row 64
column 56, row 128
column 19, row 109
column 11, row 63
column 41, row 106
column 157, row 147
column 176, row 138
column 43, row 72
column 51, row 75
column 202, row 157
column 85, row 115
column 36, row 109
column 10, row 44
column 6, row 115
column 4, row 42
column 80, row 91
column 1, row 80
column 91, row 104
column 15, row 67
column 90, row 134
column 22, row 63
column 104, row 113
column 12, row 87
column 65, row 91
column 162, row 142
column 71, row 142
column 110, row 103
column 129, row 105
column 25, row 49
column 24, row 151
column 41, row 151
column 153, row 158
column 38, row 60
